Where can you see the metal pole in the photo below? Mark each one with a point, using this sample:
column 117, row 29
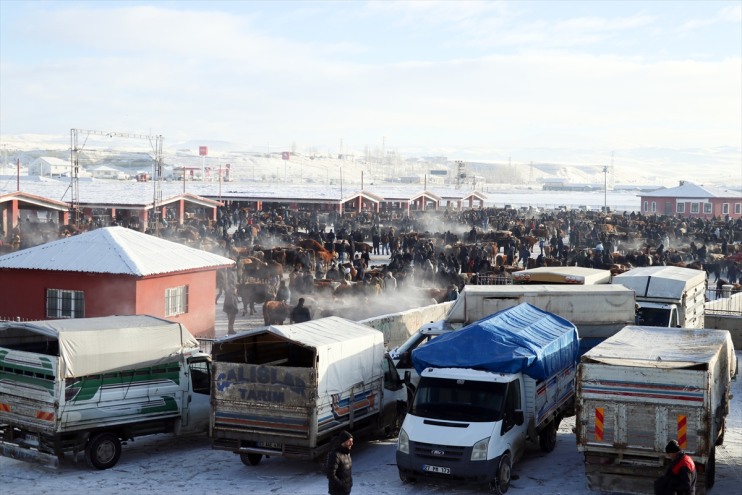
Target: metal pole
column 605, row 189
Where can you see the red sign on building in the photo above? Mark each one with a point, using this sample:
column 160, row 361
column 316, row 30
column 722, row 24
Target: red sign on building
column 203, row 150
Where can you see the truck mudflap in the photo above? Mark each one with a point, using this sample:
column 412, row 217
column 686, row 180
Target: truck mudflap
column 28, row 455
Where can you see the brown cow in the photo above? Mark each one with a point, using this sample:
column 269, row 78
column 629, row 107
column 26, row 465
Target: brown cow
column 252, row 293
column 275, row 312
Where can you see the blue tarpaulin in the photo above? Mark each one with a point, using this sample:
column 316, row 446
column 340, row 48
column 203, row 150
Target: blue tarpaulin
column 523, row 338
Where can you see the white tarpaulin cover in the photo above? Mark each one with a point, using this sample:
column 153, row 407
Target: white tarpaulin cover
column 657, row 347
column 347, row 352
column 89, row 346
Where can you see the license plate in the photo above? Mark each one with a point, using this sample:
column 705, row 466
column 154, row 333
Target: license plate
column 436, row 469
column 270, row 445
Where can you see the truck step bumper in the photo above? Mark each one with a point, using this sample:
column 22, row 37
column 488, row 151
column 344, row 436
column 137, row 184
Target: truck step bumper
column 27, row 455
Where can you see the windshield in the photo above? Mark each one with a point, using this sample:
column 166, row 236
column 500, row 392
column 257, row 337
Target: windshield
column 653, row 317
column 459, row 400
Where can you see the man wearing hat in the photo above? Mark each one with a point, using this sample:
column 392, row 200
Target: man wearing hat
column 339, row 466
column 680, row 477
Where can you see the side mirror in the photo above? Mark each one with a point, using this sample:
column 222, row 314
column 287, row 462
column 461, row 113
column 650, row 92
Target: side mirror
column 405, row 360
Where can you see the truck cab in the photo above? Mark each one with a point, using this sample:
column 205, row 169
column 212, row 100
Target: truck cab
column 657, row 315
column 473, row 416
column 484, row 391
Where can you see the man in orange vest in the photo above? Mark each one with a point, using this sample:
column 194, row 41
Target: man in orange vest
column 680, row 478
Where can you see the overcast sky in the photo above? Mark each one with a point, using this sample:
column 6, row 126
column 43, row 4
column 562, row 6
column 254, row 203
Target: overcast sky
column 482, row 80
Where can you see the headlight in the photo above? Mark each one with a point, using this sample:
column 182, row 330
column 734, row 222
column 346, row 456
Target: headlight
column 403, row 444
column 479, row 451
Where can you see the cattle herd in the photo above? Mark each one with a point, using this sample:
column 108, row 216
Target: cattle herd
column 429, row 255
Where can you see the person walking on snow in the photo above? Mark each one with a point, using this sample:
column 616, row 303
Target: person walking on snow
column 339, row 466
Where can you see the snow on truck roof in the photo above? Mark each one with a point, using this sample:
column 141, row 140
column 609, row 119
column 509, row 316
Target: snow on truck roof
column 658, row 347
column 89, row 346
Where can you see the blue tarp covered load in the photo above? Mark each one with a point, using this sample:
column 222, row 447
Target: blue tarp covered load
column 522, row 338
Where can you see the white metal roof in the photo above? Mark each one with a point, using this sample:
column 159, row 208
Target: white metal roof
column 113, row 250
column 690, row 190
column 123, row 193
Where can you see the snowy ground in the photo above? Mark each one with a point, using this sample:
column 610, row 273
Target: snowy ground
column 164, row 464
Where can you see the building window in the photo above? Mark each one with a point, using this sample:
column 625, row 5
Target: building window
column 176, row 300
column 65, row 303
column 694, row 207
column 646, row 206
column 707, row 208
column 725, row 209
column 737, row 208
column 654, row 206
column 680, row 208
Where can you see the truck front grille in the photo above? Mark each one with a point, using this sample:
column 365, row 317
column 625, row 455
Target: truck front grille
column 439, row 452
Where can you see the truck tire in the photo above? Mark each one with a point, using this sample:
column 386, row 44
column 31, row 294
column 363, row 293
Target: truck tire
column 405, row 478
column 103, row 450
column 251, row 459
column 501, row 484
column 711, row 469
column 547, row 438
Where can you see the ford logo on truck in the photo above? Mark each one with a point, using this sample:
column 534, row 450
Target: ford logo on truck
column 438, row 452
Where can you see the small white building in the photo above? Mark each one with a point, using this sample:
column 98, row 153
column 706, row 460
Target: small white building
column 49, row 166
column 108, row 172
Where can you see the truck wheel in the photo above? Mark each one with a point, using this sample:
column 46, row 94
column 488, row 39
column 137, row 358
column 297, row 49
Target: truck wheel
column 103, row 451
column 251, row 459
column 502, row 482
column 711, row 469
column 548, row 437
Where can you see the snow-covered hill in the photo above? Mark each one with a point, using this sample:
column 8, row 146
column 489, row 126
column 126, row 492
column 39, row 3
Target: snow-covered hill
column 660, row 167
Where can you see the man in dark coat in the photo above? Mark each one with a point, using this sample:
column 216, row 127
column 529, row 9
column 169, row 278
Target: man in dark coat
column 339, row 466
column 300, row 313
column 230, row 308
column 680, row 478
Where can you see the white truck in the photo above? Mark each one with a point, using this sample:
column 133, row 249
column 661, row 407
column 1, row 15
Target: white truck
column 667, row 296
column 643, row 387
column 288, row 390
column 484, row 391
column 86, row 385
column 598, row 311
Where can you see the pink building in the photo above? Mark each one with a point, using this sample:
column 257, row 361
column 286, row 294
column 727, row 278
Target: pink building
column 112, row 271
column 692, row 201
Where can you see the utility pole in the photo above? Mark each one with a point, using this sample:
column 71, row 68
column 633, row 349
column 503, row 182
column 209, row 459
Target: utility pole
column 605, row 189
